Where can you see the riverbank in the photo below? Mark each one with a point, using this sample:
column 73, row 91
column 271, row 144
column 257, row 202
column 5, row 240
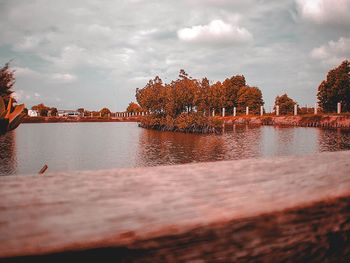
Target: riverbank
column 194, row 123
column 324, row 120
column 79, row 119
column 214, row 123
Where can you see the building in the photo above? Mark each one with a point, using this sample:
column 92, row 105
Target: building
column 33, row 113
column 68, row 113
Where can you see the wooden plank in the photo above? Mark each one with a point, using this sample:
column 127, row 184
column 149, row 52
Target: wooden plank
column 126, row 207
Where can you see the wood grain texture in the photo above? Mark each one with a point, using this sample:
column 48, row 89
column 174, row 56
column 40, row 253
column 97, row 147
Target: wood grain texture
column 247, row 210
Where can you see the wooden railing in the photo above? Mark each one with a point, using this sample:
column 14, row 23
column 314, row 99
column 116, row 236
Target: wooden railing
column 273, row 210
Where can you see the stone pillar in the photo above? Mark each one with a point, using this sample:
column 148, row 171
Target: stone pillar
column 234, row 111
column 261, row 110
column 339, row 108
column 295, row 109
column 315, row 110
column 277, row 110
column 91, row 114
column 223, row 112
column 247, row 110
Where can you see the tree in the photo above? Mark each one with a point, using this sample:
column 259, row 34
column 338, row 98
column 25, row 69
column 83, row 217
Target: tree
column 10, row 115
column 152, row 97
column 202, row 96
column 7, row 80
column 336, row 88
column 231, row 88
column 249, row 97
column 105, row 112
column 286, row 104
column 217, row 96
column 54, row 111
column 180, row 95
column 41, row 109
column 133, row 107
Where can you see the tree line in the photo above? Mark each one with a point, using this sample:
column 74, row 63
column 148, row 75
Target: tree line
column 45, row 111
column 187, row 94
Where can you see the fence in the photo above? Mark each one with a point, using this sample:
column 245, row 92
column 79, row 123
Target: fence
column 223, row 113
column 296, row 110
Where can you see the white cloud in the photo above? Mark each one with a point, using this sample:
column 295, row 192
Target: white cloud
column 217, row 31
column 64, row 77
column 325, row 11
column 27, row 43
column 70, row 57
column 333, row 52
column 26, row 72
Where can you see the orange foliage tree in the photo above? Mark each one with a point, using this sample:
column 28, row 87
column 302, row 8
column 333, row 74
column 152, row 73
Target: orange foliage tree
column 7, row 80
column 188, row 95
column 133, row 107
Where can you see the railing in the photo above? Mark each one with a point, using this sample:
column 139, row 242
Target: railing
column 293, row 209
column 223, row 112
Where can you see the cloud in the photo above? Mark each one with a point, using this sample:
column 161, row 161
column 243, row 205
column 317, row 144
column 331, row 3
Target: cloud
column 333, row 52
column 27, row 43
column 325, row 11
column 64, row 77
column 26, row 72
column 118, row 45
column 217, row 31
column 44, row 76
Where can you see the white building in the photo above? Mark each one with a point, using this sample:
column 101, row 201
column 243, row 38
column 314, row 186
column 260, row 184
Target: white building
column 33, row 113
column 68, row 113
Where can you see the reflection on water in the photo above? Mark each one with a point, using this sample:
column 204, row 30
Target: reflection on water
column 92, row 146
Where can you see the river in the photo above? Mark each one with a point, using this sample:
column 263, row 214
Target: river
column 94, row 146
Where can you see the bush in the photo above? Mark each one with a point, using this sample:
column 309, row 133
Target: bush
column 185, row 122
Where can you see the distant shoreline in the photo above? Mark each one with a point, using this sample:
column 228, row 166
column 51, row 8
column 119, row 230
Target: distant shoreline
column 320, row 120
column 79, row 119
column 217, row 124
column 308, row 120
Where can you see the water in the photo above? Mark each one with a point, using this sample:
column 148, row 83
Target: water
column 93, row 146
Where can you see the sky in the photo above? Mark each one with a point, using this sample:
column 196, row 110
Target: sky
column 94, row 54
